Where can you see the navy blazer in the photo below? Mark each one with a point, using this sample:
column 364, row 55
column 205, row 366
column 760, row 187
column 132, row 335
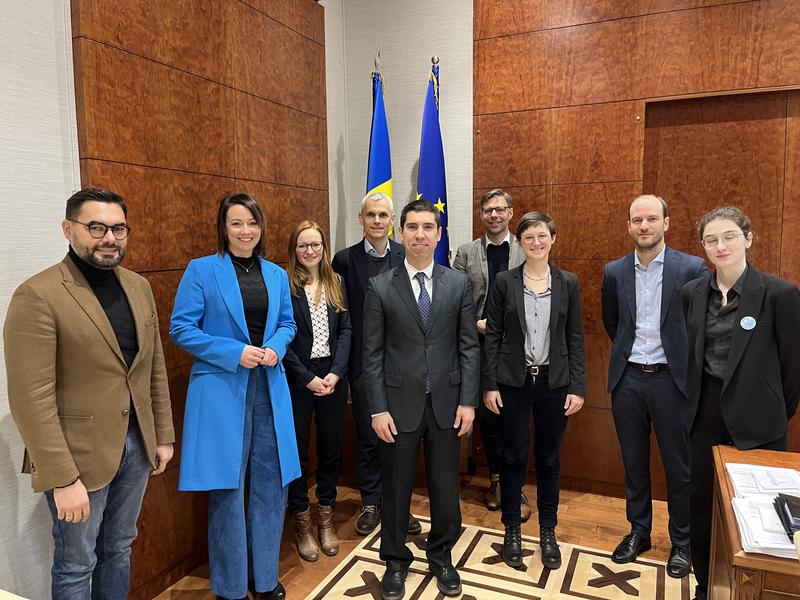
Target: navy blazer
column 351, row 264
column 761, row 387
column 298, row 354
column 618, row 296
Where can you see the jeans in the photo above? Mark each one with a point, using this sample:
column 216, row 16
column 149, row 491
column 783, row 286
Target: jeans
column 91, row 560
column 248, row 542
column 547, row 407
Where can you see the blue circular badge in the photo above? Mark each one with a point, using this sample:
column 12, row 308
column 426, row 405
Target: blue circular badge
column 747, row 323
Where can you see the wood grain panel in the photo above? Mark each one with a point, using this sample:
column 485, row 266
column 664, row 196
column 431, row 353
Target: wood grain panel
column 173, row 214
column 178, row 384
column 525, row 199
column 272, row 61
column 591, row 220
column 306, row 17
column 166, row 31
column 598, row 353
column 589, row 447
column 704, row 153
column 513, row 149
column 137, row 111
column 598, row 143
column 278, row 145
column 165, row 285
column 284, row 208
column 790, row 249
column 590, row 279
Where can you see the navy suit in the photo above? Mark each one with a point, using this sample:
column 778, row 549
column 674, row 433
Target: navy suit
column 644, row 399
column 352, row 264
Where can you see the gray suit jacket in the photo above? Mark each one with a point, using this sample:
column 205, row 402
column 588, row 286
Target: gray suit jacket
column 448, row 351
column 471, row 259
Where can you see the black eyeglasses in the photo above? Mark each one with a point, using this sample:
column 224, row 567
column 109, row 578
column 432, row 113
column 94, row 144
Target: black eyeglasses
column 98, row 230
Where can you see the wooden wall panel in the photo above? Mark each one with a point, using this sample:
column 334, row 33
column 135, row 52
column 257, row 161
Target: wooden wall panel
column 790, row 248
column 525, row 199
column 590, row 279
column 589, row 449
column 165, row 285
column 598, row 353
column 306, row 17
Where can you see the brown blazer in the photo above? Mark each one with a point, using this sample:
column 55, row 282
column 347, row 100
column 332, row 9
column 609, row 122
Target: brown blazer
column 69, row 388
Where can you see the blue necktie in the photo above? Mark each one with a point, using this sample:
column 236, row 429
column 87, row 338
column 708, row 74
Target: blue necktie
column 424, row 300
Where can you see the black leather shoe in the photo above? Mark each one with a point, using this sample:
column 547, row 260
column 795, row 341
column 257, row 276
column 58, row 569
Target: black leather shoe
column 447, row 579
column 631, row 546
column 551, row 555
column 279, row 593
column 512, row 546
column 414, row 526
column 393, row 585
column 679, row 562
column 368, row 519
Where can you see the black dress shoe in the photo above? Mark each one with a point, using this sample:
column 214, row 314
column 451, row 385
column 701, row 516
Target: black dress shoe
column 512, row 546
column 679, row 562
column 631, row 546
column 393, row 585
column 447, row 579
column 279, row 593
column 551, row 555
column 368, row 519
column 414, row 526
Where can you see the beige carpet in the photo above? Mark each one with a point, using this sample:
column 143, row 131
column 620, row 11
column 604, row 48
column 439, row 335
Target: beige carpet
column 584, row 573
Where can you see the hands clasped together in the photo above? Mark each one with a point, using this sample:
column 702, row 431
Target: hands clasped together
column 494, row 402
column 253, row 356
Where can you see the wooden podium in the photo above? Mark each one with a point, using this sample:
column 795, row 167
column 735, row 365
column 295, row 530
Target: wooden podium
column 734, row 573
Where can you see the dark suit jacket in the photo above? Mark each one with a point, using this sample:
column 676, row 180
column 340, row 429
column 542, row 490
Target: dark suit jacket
column 351, row 264
column 504, row 345
column 298, row 355
column 398, row 351
column 761, row 387
column 618, row 296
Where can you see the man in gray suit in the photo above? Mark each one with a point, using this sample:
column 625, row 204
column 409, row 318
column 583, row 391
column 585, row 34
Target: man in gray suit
column 482, row 259
column 422, row 386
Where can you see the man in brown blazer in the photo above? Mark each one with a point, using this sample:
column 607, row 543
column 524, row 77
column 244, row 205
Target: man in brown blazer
column 87, row 388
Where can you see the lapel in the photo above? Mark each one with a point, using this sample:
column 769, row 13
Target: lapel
column 302, row 303
column 483, row 263
column 698, row 310
column 79, row 289
column 396, row 254
column 515, row 254
column 229, row 290
column 519, row 299
column 402, row 284
column 439, row 291
column 629, row 285
column 140, row 309
column 556, row 291
column 668, row 277
column 359, row 257
column 749, row 305
column 273, row 285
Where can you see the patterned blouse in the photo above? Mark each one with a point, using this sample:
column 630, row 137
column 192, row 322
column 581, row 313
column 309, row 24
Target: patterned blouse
column 320, row 347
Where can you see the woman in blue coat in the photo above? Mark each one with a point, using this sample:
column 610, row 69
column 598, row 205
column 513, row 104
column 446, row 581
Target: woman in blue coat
column 233, row 313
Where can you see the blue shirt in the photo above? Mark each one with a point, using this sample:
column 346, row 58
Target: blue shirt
column 647, row 348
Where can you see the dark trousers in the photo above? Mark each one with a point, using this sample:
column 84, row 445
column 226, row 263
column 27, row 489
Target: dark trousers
column 368, row 461
column 549, row 422
column 399, row 462
column 327, row 413
column 490, row 437
column 642, row 401
column 708, row 430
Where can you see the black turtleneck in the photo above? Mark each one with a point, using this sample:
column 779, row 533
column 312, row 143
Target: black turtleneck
column 254, row 296
column 115, row 304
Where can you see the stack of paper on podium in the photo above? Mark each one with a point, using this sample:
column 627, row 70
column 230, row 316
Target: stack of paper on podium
column 755, row 488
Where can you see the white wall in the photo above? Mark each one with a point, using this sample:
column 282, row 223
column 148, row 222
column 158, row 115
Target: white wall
column 409, row 33
column 38, row 171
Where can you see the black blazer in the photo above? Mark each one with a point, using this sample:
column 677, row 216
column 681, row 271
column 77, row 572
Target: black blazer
column 761, row 387
column 351, row 264
column 504, row 344
column 618, row 295
column 298, row 354
column 447, row 351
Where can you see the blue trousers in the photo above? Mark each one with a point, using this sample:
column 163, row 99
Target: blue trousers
column 246, row 544
column 92, row 559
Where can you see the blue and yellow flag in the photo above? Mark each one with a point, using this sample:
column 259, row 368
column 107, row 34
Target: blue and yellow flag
column 379, row 167
column 430, row 180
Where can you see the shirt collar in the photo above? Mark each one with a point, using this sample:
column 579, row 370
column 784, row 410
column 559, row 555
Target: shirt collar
column 658, row 259
column 412, row 271
column 736, row 287
column 505, row 240
column 370, row 249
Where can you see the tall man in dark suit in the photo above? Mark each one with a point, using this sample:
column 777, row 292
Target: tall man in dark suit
column 373, row 255
column 482, row 259
column 643, row 316
column 423, row 386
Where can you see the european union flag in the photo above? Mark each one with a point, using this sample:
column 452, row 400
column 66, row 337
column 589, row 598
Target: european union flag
column 430, row 180
column 379, row 167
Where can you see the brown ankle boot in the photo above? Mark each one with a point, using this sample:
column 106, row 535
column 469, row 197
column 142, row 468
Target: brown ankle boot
column 306, row 545
column 327, row 536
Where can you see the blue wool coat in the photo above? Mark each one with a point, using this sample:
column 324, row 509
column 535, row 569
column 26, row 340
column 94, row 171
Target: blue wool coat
column 208, row 322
